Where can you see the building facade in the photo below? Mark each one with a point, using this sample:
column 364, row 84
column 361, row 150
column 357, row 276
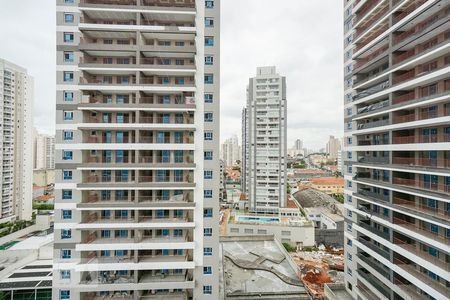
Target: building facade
column 137, row 149
column 16, row 136
column 244, row 151
column 44, row 151
column 298, row 145
column 266, row 160
column 397, row 149
column 333, row 147
column 231, row 151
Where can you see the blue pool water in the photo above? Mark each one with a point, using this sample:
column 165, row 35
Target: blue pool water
column 259, row 219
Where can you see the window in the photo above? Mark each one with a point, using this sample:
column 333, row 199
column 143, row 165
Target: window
column 64, row 294
column 209, row 78
column 68, row 18
column 209, row 22
column 208, row 98
column 68, row 76
column 262, row 231
column 207, row 289
column 68, row 56
column 68, row 1
column 66, row 253
column 208, row 155
column 349, row 227
column 207, row 270
column 68, row 115
column 207, row 231
column 207, row 251
column 349, row 155
column 207, row 194
column 349, row 213
column 209, row 3
column 208, row 117
column 66, row 214
column 208, row 174
column 67, row 175
column 67, row 194
column 209, row 41
column 207, row 213
column 349, row 140
column 68, row 135
column 209, row 60
column 208, row 135
column 65, row 274
column 66, row 234
column 68, row 37
column 68, row 96
column 67, row 155
column 349, row 184
column 349, row 242
column 248, row 230
column 349, row 199
column 349, row 271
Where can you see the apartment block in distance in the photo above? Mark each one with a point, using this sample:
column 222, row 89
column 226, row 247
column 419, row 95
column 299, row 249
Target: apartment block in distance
column 44, row 151
column 16, row 136
column 265, row 138
column 137, row 149
column 397, row 149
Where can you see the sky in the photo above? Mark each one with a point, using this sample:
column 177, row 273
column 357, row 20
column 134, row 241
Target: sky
column 302, row 38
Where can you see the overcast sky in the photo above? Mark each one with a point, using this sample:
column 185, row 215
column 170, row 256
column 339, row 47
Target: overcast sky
column 303, row 38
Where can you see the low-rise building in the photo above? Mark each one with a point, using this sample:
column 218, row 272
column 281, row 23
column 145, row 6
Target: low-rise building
column 328, row 185
column 258, row 267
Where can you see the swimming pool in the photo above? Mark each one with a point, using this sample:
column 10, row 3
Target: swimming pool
column 259, row 219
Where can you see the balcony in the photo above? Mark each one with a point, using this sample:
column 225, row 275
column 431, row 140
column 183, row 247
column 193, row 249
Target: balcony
column 407, row 266
column 377, row 266
column 375, row 282
column 119, row 295
column 368, row 294
column 372, row 90
column 410, row 289
column 108, row 100
column 373, row 160
column 421, row 139
column 109, row 2
column 380, row 233
column 374, row 34
column 419, row 230
column 125, row 119
column 185, row 159
column 368, row 22
column 373, row 195
column 170, row 3
column 423, row 48
column 422, row 26
column 373, row 124
column 94, row 238
column 163, row 120
column 422, row 162
column 412, row 248
column 88, row 20
column 427, row 92
column 423, row 185
column 107, row 160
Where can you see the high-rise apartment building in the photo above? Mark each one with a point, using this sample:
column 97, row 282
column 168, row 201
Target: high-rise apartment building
column 298, row 145
column 397, row 149
column 44, row 151
column 16, row 136
column 266, row 150
column 333, row 147
column 231, row 151
column 137, row 149
column 244, row 151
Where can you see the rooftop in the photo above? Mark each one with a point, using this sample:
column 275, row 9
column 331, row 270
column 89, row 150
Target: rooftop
column 258, row 266
column 328, row 181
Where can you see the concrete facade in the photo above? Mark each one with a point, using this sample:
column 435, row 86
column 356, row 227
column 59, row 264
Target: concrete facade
column 16, row 136
column 44, row 151
column 137, row 149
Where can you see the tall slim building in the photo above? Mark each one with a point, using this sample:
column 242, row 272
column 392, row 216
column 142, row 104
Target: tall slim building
column 244, row 151
column 44, row 151
column 298, row 145
column 16, row 136
column 266, row 141
column 230, row 151
column 333, row 147
column 137, row 155
column 397, row 149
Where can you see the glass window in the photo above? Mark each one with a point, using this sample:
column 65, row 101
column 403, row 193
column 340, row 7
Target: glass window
column 208, row 98
column 64, row 294
column 209, row 22
column 207, row 270
column 209, row 78
column 68, row 18
column 67, row 155
column 207, row 231
column 208, row 135
column 68, row 115
column 66, row 214
column 67, row 175
column 208, row 155
column 66, row 234
column 207, row 289
column 209, row 41
column 67, row 194
column 208, row 174
column 209, row 60
column 68, row 56
column 65, row 274
column 209, row 3
column 208, row 117
column 66, row 253
column 68, row 135
column 68, row 96
column 68, row 76
column 68, row 37
column 207, row 251
column 208, row 212
column 207, row 194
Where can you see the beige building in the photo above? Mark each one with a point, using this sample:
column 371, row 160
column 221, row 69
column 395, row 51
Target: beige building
column 43, row 177
column 44, row 151
column 333, row 147
column 16, row 136
column 137, row 149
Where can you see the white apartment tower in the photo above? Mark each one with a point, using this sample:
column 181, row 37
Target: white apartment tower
column 137, row 149
column 230, row 151
column 244, row 151
column 266, row 141
column 298, row 145
column 44, row 151
column 16, row 136
column 397, row 149
column 333, row 147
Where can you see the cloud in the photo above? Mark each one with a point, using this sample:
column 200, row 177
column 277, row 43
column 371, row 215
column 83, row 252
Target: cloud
column 303, row 38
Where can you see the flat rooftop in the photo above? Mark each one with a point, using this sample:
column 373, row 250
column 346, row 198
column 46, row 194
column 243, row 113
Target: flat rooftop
column 258, row 267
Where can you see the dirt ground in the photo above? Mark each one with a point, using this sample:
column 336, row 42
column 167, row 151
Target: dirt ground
column 224, row 223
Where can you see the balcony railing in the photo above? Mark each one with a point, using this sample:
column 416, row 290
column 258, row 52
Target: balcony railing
column 376, row 266
column 374, row 195
column 411, row 269
column 404, row 118
column 419, row 230
column 374, row 124
column 422, row 162
column 418, row 139
column 431, row 186
column 166, row 160
column 422, row 26
column 380, row 233
column 108, row 160
column 109, row 2
column 412, row 248
column 412, row 6
column 185, row 3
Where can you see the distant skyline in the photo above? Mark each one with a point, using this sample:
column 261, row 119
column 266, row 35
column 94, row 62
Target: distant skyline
column 295, row 37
